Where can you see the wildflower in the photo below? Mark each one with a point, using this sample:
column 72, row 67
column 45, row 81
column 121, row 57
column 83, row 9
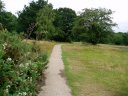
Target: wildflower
column 30, row 79
column 9, row 59
column 21, row 65
column 27, row 64
column 6, row 90
column 24, row 93
column 8, row 86
column 30, row 94
column 4, row 45
column 19, row 94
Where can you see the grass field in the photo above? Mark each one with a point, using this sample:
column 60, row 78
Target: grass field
column 45, row 46
column 100, row 70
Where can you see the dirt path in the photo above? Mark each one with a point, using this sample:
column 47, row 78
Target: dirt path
column 55, row 80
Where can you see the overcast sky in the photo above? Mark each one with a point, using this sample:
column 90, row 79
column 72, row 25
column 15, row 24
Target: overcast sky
column 119, row 6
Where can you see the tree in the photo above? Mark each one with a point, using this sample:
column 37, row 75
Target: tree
column 125, row 38
column 45, row 27
column 118, row 38
column 8, row 20
column 1, row 6
column 27, row 17
column 64, row 23
column 94, row 24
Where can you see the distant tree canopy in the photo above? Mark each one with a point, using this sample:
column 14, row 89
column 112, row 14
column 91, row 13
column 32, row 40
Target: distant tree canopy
column 64, row 23
column 1, row 6
column 40, row 21
column 125, row 39
column 44, row 22
column 8, row 21
column 93, row 24
column 120, row 38
column 27, row 17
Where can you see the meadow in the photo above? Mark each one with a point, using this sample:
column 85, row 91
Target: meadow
column 100, row 70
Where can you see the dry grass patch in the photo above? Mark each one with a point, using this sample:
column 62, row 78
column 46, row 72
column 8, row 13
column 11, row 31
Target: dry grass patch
column 45, row 46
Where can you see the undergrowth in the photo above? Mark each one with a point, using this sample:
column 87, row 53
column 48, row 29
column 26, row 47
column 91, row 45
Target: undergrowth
column 21, row 64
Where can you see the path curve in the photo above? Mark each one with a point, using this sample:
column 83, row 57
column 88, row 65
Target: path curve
column 55, row 84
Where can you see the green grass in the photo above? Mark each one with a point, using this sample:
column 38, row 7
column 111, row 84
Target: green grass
column 100, row 70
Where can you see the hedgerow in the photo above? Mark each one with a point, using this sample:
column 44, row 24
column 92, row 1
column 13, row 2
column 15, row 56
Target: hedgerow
column 21, row 64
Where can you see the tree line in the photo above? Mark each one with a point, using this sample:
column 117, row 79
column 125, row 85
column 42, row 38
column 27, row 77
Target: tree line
column 40, row 21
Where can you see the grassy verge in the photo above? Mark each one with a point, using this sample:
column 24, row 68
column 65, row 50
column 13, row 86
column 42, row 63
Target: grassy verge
column 96, row 70
column 45, row 46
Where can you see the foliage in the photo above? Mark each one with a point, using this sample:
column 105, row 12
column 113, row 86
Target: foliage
column 64, row 22
column 27, row 17
column 45, row 27
column 1, row 6
column 120, row 38
column 125, row 38
column 95, row 23
column 1, row 27
column 21, row 65
column 8, row 20
column 38, row 20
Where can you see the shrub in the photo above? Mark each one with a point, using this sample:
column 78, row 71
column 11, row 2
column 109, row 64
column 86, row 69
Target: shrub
column 1, row 27
column 21, row 65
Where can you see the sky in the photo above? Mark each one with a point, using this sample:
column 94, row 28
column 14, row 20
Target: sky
column 120, row 15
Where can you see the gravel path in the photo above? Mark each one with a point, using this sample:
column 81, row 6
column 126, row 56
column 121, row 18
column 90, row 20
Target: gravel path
column 55, row 84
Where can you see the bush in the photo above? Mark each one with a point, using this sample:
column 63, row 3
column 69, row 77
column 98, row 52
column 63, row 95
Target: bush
column 21, row 65
column 1, row 27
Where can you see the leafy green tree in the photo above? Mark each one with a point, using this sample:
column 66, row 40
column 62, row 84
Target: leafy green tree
column 93, row 24
column 109, row 39
column 125, row 38
column 118, row 38
column 45, row 27
column 64, row 23
column 1, row 6
column 27, row 17
column 8, row 20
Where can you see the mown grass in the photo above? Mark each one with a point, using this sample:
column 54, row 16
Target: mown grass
column 100, row 70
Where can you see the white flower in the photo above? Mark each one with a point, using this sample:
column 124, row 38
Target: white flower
column 9, row 59
column 6, row 91
column 30, row 79
column 8, row 86
column 19, row 94
column 21, row 65
column 27, row 64
column 24, row 93
column 4, row 45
